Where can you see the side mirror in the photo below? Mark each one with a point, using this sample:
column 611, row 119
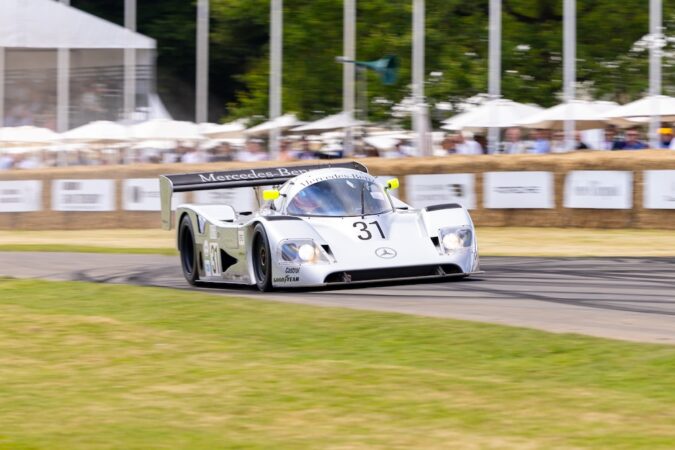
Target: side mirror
column 270, row 194
column 392, row 184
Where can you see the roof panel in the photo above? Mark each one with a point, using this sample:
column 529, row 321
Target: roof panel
column 50, row 24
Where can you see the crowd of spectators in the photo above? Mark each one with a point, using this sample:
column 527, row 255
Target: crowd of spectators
column 514, row 141
column 31, row 98
column 547, row 141
column 39, row 110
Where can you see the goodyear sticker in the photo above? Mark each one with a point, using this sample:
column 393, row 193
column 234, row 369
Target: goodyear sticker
column 207, row 259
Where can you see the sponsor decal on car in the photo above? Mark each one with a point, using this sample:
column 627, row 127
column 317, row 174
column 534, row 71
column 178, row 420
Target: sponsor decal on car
column 286, row 279
column 336, row 176
column 251, row 175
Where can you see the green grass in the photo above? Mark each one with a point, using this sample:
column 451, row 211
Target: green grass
column 71, row 248
column 86, row 366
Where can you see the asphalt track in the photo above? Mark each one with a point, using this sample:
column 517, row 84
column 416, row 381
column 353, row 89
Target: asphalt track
column 620, row 298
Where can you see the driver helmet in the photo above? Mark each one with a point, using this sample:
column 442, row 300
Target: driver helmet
column 307, row 199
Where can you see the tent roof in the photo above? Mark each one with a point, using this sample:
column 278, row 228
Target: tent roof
column 280, row 123
column 50, row 24
column 587, row 115
column 499, row 113
column 334, row 122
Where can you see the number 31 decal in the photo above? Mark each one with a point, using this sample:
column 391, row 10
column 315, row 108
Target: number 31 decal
column 365, row 234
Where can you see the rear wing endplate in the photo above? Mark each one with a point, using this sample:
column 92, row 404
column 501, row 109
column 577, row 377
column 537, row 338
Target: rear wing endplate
column 263, row 176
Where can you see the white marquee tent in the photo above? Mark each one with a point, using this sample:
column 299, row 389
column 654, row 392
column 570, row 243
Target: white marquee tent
column 31, row 34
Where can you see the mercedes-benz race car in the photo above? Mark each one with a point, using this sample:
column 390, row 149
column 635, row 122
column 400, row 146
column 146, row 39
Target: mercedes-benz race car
column 317, row 225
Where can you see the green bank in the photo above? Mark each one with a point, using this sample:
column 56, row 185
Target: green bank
column 86, row 366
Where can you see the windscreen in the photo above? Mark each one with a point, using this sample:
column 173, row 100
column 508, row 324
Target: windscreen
column 340, row 198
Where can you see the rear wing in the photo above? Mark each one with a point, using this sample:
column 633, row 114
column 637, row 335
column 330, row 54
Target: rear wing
column 263, row 176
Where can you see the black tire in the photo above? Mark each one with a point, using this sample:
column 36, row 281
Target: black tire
column 262, row 259
column 188, row 252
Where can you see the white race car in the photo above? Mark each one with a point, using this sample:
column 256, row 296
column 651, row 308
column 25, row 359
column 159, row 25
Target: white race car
column 319, row 225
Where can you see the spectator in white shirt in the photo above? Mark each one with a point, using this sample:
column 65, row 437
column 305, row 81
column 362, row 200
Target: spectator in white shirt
column 514, row 144
column 194, row 156
column 467, row 145
column 253, row 152
column 27, row 162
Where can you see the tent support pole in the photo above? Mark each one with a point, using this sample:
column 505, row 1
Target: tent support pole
column 63, row 89
column 129, row 62
column 276, row 58
column 421, row 112
column 655, row 53
column 63, row 86
column 2, row 86
column 570, row 65
column 202, row 76
column 495, row 85
column 348, row 71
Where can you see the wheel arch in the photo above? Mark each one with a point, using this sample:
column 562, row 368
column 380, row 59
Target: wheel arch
column 178, row 222
column 251, row 250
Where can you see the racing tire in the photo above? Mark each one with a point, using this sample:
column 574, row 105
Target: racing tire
column 188, row 251
column 262, row 259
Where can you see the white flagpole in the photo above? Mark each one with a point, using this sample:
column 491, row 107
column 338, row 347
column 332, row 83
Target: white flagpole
column 202, row 75
column 63, row 86
column 570, row 65
column 276, row 57
column 2, row 86
column 348, row 69
column 655, row 54
column 420, row 117
column 129, row 61
column 495, row 80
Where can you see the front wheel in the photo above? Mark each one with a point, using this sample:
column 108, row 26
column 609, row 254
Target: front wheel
column 188, row 252
column 262, row 259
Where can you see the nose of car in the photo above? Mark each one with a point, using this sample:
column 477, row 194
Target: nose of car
column 378, row 238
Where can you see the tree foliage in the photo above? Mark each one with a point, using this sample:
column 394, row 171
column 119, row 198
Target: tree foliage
column 610, row 65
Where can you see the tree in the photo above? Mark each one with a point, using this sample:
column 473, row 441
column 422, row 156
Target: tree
column 610, row 66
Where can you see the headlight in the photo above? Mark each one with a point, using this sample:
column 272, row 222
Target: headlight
column 301, row 251
column 455, row 239
column 307, row 252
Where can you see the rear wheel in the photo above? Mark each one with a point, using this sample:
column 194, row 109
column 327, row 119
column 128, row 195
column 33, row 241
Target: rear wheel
column 188, row 252
column 262, row 259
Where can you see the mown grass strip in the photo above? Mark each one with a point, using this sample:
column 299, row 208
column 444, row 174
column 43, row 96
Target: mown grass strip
column 87, row 366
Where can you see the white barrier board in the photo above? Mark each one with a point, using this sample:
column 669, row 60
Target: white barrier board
column 436, row 189
column 518, row 190
column 599, row 189
column 659, row 189
column 142, row 194
column 83, row 195
column 20, row 196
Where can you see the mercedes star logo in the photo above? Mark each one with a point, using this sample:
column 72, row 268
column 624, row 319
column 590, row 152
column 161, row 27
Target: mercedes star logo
column 386, row 252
